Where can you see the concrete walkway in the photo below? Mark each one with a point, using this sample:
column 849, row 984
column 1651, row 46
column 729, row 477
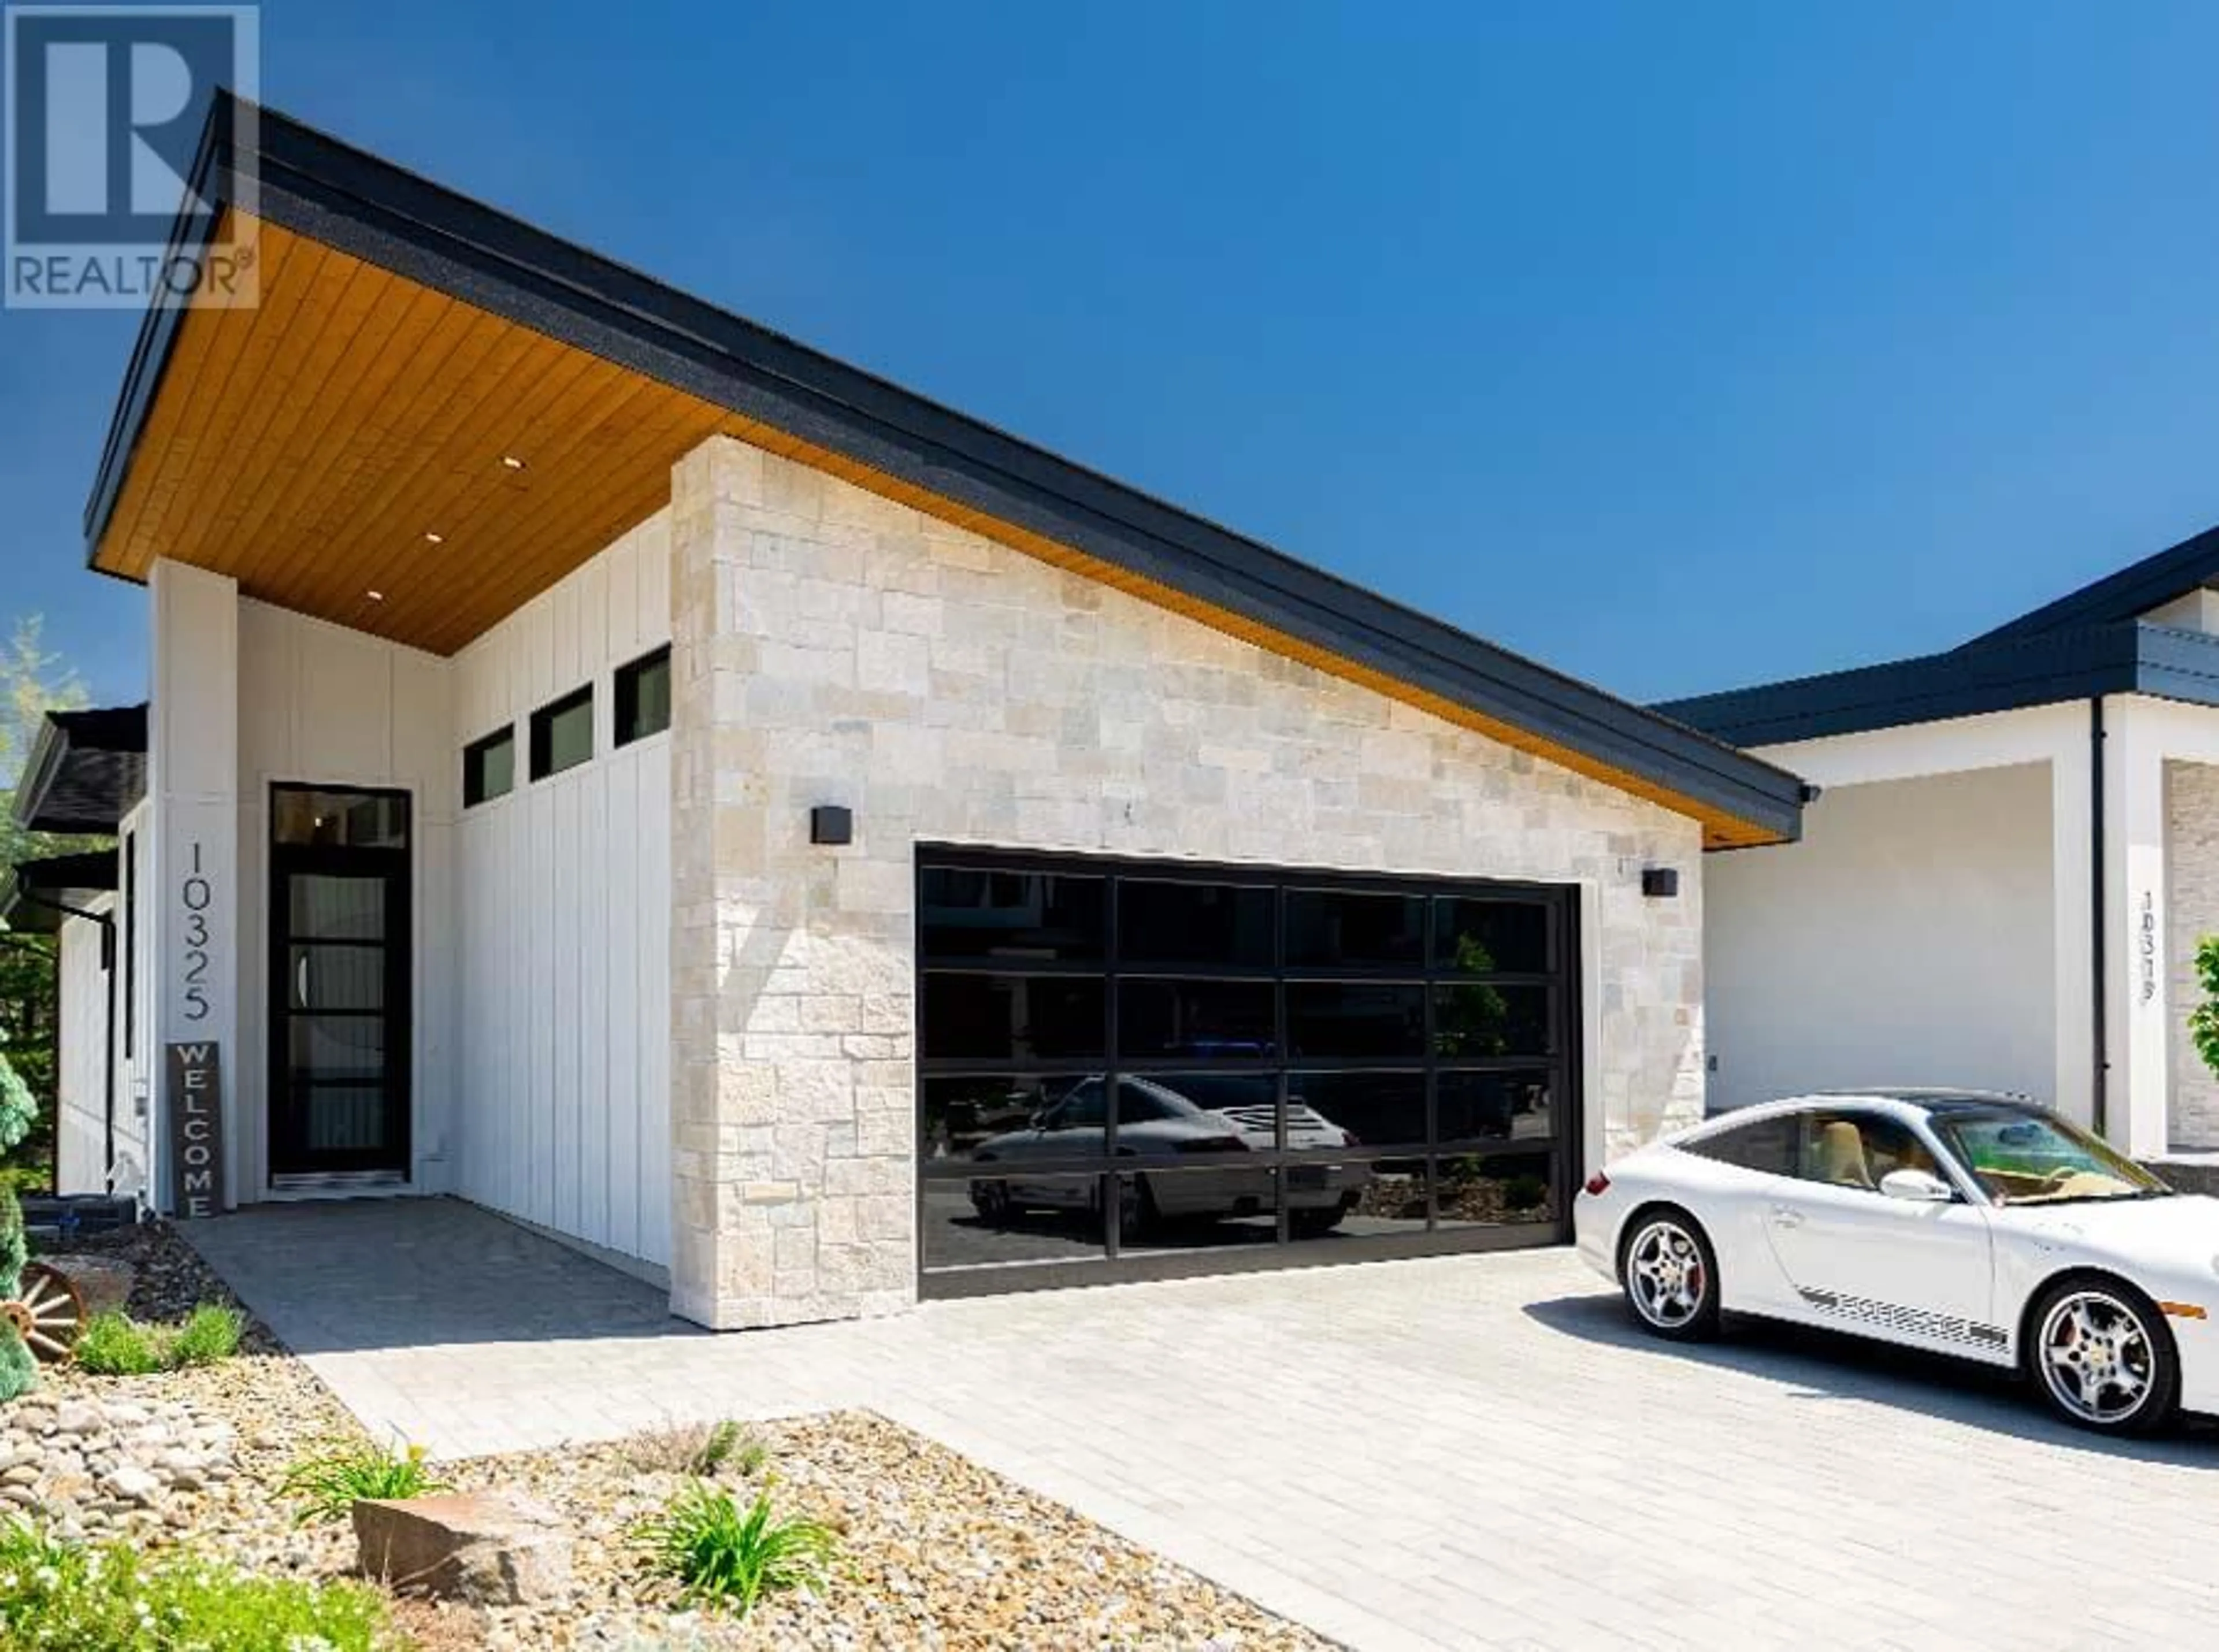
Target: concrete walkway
column 1464, row 1453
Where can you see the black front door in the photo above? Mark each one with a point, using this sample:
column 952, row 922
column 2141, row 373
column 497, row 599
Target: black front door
column 338, row 982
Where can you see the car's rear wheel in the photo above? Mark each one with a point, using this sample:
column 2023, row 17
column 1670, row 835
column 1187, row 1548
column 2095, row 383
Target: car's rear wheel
column 1671, row 1275
column 2102, row 1358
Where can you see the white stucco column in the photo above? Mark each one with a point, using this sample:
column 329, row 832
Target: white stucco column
column 2072, row 887
column 190, row 856
column 2134, row 912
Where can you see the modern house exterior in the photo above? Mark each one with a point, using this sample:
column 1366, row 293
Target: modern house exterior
column 609, row 762
column 2016, row 853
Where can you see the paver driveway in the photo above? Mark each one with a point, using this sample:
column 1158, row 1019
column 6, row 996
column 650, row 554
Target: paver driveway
column 1466, row 1453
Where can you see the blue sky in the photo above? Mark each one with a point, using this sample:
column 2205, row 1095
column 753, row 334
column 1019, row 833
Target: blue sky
column 1679, row 345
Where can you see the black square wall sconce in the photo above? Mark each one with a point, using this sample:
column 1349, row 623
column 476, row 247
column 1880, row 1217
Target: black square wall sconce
column 829, row 823
column 1660, row 883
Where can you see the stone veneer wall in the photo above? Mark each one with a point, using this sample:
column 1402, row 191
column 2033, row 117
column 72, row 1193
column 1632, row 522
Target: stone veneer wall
column 831, row 647
column 2192, row 882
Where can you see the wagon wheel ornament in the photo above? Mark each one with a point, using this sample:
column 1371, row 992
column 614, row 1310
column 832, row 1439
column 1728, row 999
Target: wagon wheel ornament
column 48, row 1313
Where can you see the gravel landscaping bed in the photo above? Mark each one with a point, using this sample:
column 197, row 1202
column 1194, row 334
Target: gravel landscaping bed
column 933, row 1551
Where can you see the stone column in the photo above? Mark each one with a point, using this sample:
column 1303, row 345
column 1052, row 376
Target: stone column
column 791, row 1108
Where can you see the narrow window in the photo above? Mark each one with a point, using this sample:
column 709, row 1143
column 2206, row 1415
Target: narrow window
column 562, row 734
column 643, row 697
column 130, row 945
column 489, row 768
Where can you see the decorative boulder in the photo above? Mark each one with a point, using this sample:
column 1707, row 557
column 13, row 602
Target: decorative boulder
column 103, row 1282
column 477, row 1547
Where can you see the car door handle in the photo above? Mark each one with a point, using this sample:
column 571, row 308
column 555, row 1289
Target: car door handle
column 1782, row 1216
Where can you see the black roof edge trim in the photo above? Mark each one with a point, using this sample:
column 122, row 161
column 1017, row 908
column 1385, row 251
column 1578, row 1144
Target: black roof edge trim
column 2049, row 667
column 2131, row 592
column 332, row 192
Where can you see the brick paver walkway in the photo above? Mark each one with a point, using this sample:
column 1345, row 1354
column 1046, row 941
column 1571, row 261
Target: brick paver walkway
column 1464, row 1453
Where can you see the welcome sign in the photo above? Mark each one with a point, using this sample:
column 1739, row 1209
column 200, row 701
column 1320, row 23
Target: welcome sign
column 195, row 1129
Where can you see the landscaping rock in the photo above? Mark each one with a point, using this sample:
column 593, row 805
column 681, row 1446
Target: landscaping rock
column 478, row 1547
column 90, row 1463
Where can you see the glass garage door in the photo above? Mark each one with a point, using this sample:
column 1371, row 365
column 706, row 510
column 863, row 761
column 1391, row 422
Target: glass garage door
column 1142, row 1068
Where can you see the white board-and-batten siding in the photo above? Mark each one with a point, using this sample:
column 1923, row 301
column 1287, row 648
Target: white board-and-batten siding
column 563, row 922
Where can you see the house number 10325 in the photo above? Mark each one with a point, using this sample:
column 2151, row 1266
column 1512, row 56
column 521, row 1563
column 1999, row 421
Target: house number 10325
column 195, row 895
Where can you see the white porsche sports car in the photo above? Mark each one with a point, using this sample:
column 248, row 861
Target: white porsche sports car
column 1976, row 1225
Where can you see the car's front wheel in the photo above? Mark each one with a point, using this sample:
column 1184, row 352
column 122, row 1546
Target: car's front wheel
column 2102, row 1358
column 1671, row 1275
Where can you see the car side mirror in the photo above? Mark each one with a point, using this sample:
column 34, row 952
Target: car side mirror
column 1916, row 1187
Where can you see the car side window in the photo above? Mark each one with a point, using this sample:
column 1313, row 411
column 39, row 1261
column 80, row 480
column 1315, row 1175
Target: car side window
column 1845, row 1148
column 1766, row 1145
column 1083, row 1109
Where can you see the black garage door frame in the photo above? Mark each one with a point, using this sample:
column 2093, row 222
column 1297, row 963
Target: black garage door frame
column 1105, row 1168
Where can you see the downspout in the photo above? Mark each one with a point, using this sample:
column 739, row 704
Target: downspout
column 106, row 922
column 2097, row 1095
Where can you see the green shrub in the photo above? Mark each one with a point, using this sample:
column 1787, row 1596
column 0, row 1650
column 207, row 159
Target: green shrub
column 329, row 1485
column 113, row 1343
column 722, row 1558
column 58, row 1597
column 209, row 1335
column 18, row 1367
column 15, row 1245
column 699, row 1449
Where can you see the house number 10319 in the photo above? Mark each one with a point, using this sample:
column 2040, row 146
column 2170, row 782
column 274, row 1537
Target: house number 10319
column 195, row 895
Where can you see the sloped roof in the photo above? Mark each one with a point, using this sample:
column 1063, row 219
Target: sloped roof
column 355, row 212
column 87, row 770
column 2150, row 583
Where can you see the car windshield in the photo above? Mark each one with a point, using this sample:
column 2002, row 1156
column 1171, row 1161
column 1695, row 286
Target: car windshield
column 2034, row 1158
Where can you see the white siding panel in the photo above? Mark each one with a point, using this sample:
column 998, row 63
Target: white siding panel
column 563, row 896
column 81, row 1118
column 319, row 704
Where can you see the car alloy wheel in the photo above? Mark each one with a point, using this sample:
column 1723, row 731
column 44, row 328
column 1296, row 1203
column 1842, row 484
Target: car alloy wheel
column 1668, row 1276
column 2099, row 1360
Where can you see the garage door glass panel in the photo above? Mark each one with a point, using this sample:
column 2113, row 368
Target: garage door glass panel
column 978, row 917
column 1338, row 931
column 1169, row 1116
column 1483, row 937
column 1208, row 1020
column 1220, row 926
column 990, row 1221
column 1485, row 1020
column 1495, row 1105
column 969, row 1119
column 1130, row 1062
column 1225, row 1207
column 1370, row 1109
column 1013, row 1018
column 1357, row 1199
column 1356, row 1019
column 1482, row 1189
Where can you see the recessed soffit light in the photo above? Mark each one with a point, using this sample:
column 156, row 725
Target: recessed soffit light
column 435, row 538
column 510, row 462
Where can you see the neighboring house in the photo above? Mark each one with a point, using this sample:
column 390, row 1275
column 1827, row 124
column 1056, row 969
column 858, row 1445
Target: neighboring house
column 612, row 763
column 2016, row 854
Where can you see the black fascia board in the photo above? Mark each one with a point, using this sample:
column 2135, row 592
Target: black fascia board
column 2047, row 668
column 2132, row 591
column 28, row 905
column 1965, row 682
column 345, row 198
